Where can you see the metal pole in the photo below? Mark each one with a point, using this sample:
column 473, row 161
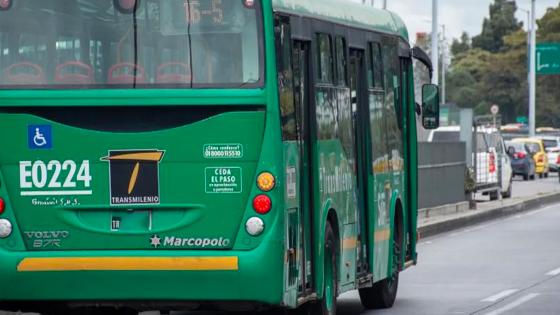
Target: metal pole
column 443, row 64
column 533, row 72
column 435, row 42
column 528, row 13
column 384, row 4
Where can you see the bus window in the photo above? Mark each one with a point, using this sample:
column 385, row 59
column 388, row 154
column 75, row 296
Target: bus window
column 377, row 64
column 203, row 43
column 341, row 64
column 391, row 67
column 285, row 81
column 324, row 59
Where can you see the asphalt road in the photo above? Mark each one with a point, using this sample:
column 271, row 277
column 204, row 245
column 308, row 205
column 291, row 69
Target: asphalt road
column 508, row 266
column 522, row 189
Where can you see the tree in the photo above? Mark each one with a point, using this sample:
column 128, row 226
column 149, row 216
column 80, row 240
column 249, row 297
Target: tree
column 485, row 74
column 462, row 45
column 502, row 22
column 548, row 93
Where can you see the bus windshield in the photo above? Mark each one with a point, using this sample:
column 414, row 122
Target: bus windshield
column 53, row 44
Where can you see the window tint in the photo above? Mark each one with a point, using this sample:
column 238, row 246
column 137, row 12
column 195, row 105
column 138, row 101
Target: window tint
column 369, row 67
column 550, row 144
column 519, row 147
column 341, row 64
column 285, row 80
column 533, row 147
column 325, row 59
column 377, row 63
column 93, row 44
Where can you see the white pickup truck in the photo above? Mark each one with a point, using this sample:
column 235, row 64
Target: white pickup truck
column 490, row 162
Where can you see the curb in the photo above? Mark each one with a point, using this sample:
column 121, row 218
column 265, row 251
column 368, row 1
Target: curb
column 444, row 210
column 478, row 216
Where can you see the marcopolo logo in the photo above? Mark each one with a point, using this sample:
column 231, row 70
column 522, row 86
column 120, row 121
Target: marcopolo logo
column 134, row 176
column 179, row 242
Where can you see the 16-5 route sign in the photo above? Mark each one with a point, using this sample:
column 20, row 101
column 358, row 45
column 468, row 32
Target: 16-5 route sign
column 548, row 58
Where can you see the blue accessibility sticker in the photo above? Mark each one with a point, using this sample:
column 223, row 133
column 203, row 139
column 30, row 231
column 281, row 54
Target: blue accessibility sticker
column 39, row 137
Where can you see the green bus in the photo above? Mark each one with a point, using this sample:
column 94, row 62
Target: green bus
column 205, row 154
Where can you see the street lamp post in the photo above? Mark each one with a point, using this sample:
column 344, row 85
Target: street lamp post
column 529, row 35
column 435, row 42
column 443, row 63
column 532, row 71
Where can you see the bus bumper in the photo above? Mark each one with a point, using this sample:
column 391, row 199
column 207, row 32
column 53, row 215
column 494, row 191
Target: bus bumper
column 254, row 276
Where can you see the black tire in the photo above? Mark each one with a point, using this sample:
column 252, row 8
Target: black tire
column 493, row 195
column 327, row 305
column 540, row 175
column 526, row 176
column 533, row 177
column 546, row 175
column 383, row 293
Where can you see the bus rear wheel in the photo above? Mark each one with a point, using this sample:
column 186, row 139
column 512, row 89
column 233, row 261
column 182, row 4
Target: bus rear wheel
column 327, row 305
column 384, row 293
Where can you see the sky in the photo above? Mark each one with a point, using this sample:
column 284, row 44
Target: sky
column 456, row 15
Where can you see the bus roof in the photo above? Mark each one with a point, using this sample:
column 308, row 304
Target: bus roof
column 347, row 13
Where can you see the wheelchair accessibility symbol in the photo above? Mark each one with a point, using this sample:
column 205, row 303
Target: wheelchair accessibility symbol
column 39, row 137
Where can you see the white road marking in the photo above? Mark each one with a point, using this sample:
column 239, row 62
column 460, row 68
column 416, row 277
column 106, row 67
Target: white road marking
column 514, row 304
column 500, row 295
column 554, row 272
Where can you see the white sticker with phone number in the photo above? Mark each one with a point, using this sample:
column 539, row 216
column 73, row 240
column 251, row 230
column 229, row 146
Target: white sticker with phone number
column 223, row 151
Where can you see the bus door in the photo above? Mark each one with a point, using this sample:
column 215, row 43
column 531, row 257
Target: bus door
column 407, row 101
column 358, row 90
column 301, row 73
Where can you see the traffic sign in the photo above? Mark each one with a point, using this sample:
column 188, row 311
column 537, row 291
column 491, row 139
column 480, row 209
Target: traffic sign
column 548, row 58
column 495, row 109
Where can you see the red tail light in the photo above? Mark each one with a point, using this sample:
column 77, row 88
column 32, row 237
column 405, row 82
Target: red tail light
column 558, row 159
column 262, row 204
column 2, row 205
column 5, row 4
column 492, row 162
column 520, row 155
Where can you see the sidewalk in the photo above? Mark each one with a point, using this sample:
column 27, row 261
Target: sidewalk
column 529, row 196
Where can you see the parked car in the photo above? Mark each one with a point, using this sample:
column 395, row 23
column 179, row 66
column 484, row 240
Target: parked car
column 490, row 160
column 522, row 163
column 537, row 151
column 552, row 147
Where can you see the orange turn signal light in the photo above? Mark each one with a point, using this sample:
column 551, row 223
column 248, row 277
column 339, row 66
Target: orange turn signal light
column 266, row 181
